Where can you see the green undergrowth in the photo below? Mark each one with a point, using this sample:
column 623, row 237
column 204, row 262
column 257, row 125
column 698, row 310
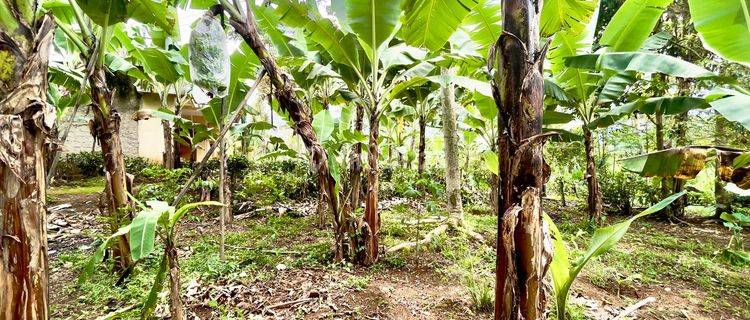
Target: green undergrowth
column 78, row 187
column 256, row 252
column 650, row 255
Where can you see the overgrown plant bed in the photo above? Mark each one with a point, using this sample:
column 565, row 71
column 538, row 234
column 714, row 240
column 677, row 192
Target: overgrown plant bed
column 279, row 266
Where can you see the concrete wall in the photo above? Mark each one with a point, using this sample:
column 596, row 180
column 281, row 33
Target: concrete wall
column 79, row 138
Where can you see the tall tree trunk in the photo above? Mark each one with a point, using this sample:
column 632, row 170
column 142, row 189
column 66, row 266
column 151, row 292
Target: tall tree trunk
column 451, row 146
column 25, row 121
column 372, row 216
column 422, row 145
column 595, row 206
column 516, row 63
column 677, row 208
column 299, row 113
column 106, row 126
column 168, row 143
column 722, row 197
column 661, row 144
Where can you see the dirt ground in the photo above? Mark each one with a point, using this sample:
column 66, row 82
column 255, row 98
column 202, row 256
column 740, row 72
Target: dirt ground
column 414, row 290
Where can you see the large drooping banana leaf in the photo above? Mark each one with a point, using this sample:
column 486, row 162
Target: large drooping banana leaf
column 645, row 62
column 604, row 239
column 269, row 22
column 577, row 83
column 484, row 25
column 373, row 21
column 430, row 23
column 615, row 86
column 632, row 24
column 733, row 105
column 686, row 162
column 343, row 47
column 558, row 15
column 110, row 12
column 657, row 105
column 724, row 27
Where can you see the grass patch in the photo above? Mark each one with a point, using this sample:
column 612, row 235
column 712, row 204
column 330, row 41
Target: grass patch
column 79, row 187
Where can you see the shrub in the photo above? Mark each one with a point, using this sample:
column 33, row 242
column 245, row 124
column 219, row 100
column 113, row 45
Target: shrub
column 80, row 165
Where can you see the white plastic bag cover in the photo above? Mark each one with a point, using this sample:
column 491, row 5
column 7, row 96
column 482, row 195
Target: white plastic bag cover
column 209, row 57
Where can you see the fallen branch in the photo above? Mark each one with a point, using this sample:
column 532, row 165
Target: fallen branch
column 458, row 226
column 118, row 313
column 427, row 239
column 289, row 303
column 634, row 307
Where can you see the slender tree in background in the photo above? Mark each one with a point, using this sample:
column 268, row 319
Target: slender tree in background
column 25, row 120
column 451, row 148
column 516, row 63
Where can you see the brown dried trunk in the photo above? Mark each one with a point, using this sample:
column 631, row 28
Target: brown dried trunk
column 450, row 143
column 106, row 126
column 372, row 216
column 175, row 300
column 592, row 180
column 422, row 145
column 168, row 150
column 300, row 115
column 25, row 121
column 523, row 256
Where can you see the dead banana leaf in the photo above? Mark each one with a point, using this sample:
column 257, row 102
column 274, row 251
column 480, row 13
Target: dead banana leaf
column 686, row 162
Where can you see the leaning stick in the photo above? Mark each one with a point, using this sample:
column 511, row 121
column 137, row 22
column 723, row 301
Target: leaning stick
column 222, row 133
column 634, row 307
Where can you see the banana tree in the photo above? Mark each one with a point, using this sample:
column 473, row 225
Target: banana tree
column 425, row 108
column 244, row 23
column 25, row 120
column 586, row 92
column 367, row 56
column 91, row 33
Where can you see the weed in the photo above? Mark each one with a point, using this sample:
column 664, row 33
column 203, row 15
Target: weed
column 358, row 283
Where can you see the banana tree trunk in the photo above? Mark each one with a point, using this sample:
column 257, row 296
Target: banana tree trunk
column 372, row 216
column 176, row 307
column 355, row 162
column 168, row 150
column 516, row 63
column 722, row 197
column 25, row 121
column 300, row 115
column 592, row 180
column 451, row 148
column 421, row 156
column 677, row 208
column 175, row 141
column 106, row 127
